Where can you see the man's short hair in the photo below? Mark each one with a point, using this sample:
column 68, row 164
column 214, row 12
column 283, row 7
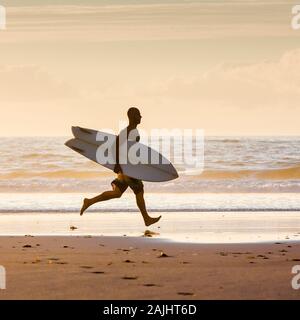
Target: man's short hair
column 132, row 111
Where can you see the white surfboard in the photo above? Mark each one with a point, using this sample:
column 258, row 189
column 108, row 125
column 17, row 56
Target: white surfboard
column 87, row 142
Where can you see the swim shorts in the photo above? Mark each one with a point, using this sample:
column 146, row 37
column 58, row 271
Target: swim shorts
column 123, row 183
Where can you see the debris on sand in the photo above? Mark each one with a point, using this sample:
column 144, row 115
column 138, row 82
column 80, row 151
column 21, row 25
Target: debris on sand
column 125, row 250
column 27, row 246
column 163, row 255
column 72, row 228
column 149, row 233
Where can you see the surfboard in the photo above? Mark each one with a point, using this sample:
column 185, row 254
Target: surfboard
column 88, row 141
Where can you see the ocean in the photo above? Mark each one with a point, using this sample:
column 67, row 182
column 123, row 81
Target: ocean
column 240, row 174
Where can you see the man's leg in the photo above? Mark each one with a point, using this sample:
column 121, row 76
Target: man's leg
column 140, row 201
column 107, row 195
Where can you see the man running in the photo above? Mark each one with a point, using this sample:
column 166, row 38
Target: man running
column 122, row 182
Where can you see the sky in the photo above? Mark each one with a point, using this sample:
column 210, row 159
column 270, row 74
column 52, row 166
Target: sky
column 228, row 67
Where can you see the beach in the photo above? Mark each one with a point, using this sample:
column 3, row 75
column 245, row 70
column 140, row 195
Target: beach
column 214, row 255
column 85, row 267
column 231, row 232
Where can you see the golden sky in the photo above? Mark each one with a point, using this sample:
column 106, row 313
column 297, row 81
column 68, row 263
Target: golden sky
column 228, row 67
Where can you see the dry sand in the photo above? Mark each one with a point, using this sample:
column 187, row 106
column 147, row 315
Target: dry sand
column 132, row 268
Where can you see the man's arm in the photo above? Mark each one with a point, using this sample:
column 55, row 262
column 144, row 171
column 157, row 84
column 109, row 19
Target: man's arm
column 135, row 136
column 124, row 136
column 117, row 168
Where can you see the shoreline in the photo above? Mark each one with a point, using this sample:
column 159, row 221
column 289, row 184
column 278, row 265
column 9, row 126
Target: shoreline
column 189, row 227
column 145, row 268
column 156, row 202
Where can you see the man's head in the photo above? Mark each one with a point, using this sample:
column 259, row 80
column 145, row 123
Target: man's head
column 134, row 115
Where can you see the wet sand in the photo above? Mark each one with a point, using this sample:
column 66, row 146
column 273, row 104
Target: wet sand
column 200, row 227
column 77, row 267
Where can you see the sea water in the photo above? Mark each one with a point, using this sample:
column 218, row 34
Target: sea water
column 248, row 191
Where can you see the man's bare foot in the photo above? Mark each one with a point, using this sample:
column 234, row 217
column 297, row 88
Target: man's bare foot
column 150, row 221
column 86, row 204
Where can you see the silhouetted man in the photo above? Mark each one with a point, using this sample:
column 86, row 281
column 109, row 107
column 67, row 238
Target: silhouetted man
column 122, row 182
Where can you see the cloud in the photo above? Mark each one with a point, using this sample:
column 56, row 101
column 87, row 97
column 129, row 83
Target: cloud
column 264, row 84
column 31, row 83
column 149, row 21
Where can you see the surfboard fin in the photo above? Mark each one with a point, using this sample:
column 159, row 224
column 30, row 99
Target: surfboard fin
column 77, row 149
column 69, row 144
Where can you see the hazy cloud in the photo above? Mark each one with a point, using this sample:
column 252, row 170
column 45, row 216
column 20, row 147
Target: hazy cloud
column 32, row 83
column 263, row 84
column 149, row 21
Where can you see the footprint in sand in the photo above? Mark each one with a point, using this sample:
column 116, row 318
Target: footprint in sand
column 36, row 261
column 223, row 254
column 129, row 278
column 150, row 285
column 185, row 293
